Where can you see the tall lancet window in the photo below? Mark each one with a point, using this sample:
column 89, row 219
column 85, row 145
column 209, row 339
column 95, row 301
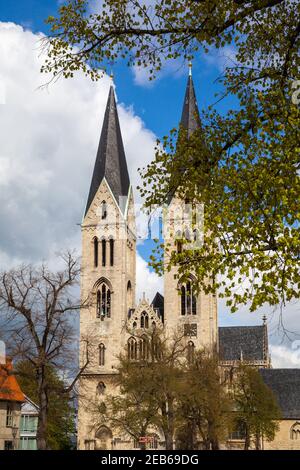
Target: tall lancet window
column 190, row 352
column 103, row 243
column 183, row 300
column 101, row 354
column 144, row 320
column 132, row 349
column 188, row 299
column 144, row 348
column 111, row 251
column 103, row 302
column 95, row 243
column 103, row 210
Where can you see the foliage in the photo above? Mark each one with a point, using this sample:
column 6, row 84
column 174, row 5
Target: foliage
column 148, row 391
column 205, row 405
column 242, row 165
column 61, row 414
column 256, row 407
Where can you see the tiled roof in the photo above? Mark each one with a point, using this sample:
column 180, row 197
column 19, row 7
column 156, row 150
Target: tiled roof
column 242, row 342
column 9, row 387
column 158, row 303
column 285, row 384
column 190, row 119
column 110, row 161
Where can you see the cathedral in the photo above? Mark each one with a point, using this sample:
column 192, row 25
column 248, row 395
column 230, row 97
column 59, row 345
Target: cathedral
column 108, row 296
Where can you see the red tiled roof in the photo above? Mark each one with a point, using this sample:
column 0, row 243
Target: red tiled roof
column 9, row 387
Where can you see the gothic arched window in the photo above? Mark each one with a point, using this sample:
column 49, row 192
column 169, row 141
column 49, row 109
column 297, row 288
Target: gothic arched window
column 132, row 349
column 103, row 301
column 179, row 246
column 101, row 354
column 95, row 243
column 101, row 388
column 103, row 243
column 129, row 295
column 183, row 301
column 103, row 437
column 190, row 352
column 103, row 210
column 144, row 320
column 111, row 251
column 144, row 348
column 188, row 299
column 295, row 431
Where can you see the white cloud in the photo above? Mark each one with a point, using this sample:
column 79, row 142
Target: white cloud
column 220, row 58
column 174, row 67
column 283, row 356
column 48, row 146
column 147, row 281
column 49, row 139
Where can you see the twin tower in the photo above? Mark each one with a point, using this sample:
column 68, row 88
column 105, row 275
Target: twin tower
column 108, row 283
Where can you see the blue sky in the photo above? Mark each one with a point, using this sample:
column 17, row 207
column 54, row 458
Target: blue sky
column 159, row 106
column 158, row 103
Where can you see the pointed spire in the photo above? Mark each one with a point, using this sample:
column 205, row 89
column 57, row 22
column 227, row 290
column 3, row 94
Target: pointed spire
column 190, row 118
column 110, row 161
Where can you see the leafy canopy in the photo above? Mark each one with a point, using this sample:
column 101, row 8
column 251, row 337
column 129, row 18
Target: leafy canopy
column 243, row 164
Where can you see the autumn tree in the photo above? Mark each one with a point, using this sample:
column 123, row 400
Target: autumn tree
column 256, row 409
column 38, row 314
column 243, row 164
column 61, row 405
column 205, row 405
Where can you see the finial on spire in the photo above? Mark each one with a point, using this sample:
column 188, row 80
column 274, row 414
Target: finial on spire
column 264, row 319
column 190, row 68
column 111, row 76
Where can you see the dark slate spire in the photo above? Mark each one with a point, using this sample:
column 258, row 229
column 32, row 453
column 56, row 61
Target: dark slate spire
column 110, row 160
column 190, row 118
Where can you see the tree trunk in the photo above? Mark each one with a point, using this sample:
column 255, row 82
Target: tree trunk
column 212, row 439
column 168, row 430
column 43, row 411
column 257, row 442
column 247, row 440
column 169, row 440
column 215, row 444
column 206, row 444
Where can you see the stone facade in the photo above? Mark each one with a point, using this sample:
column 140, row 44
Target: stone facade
column 109, row 314
column 10, row 413
column 104, row 332
column 105, row 325
column 200, row 324
column 287, row 437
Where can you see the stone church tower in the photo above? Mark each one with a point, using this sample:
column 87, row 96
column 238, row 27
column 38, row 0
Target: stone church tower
column 108, row 273
column 194, row 316
column 108, row 281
